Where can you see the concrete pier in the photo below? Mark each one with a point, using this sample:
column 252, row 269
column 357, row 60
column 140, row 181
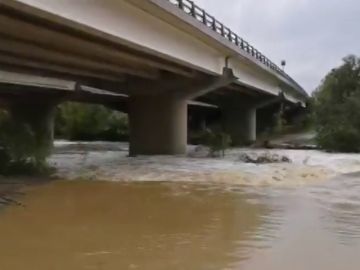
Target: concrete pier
column 158, row 125
column 240, row 124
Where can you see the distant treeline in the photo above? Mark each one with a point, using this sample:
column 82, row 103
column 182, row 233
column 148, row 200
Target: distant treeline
column 76, row 121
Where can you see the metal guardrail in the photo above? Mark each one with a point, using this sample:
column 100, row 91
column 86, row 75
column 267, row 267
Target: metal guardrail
column 190, row 8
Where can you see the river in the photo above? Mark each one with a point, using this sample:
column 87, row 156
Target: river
column 180, row 213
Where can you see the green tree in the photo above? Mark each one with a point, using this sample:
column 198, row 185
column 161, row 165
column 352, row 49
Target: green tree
column 337, row 108
column 75, row 121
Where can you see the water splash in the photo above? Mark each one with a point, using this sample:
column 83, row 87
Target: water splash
column 95, row 161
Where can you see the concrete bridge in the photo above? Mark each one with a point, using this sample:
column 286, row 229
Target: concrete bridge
column 152, row 57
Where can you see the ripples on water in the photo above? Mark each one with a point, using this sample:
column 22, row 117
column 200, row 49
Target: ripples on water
column 76, row 225
column 339, row 201
column 98, row 225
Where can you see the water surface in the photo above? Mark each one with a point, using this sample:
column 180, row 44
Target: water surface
column 77, row 225
column 184, row 213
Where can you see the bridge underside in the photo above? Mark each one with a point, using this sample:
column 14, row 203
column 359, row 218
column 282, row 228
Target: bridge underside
column 35, row 53
column 158, row 123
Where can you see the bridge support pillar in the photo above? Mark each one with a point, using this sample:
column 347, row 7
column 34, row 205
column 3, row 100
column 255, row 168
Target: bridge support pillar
column 240, row 124
column 158, row 125
column 39, row 117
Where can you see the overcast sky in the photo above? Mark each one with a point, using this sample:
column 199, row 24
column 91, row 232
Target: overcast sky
column 311, row 35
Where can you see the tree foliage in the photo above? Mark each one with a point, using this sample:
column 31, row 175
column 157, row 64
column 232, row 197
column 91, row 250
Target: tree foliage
column 75, row 121
column 337, row 108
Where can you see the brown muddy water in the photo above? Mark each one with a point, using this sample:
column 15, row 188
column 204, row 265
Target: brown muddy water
column 77, row 225
column 276, row 217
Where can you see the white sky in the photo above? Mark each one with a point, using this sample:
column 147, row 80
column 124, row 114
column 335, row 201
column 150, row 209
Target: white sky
column 311, row 35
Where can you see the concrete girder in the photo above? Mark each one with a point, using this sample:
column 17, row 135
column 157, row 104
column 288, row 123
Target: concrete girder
column 213, row 84
column 270, row 101
column 180, row 87
column 36, row 53
column 68, row 43
column 64, row 71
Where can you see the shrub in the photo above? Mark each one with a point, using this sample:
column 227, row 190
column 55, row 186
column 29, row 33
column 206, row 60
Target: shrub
column 20, row 151
column 218, row 142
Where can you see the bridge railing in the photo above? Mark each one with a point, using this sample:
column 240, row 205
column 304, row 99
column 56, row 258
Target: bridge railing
column 210, row 21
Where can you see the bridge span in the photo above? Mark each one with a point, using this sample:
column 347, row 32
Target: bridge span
column 160, row 54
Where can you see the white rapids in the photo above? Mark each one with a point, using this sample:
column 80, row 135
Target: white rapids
column 110, row 162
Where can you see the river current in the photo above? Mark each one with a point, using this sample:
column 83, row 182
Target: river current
column 186, row 213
